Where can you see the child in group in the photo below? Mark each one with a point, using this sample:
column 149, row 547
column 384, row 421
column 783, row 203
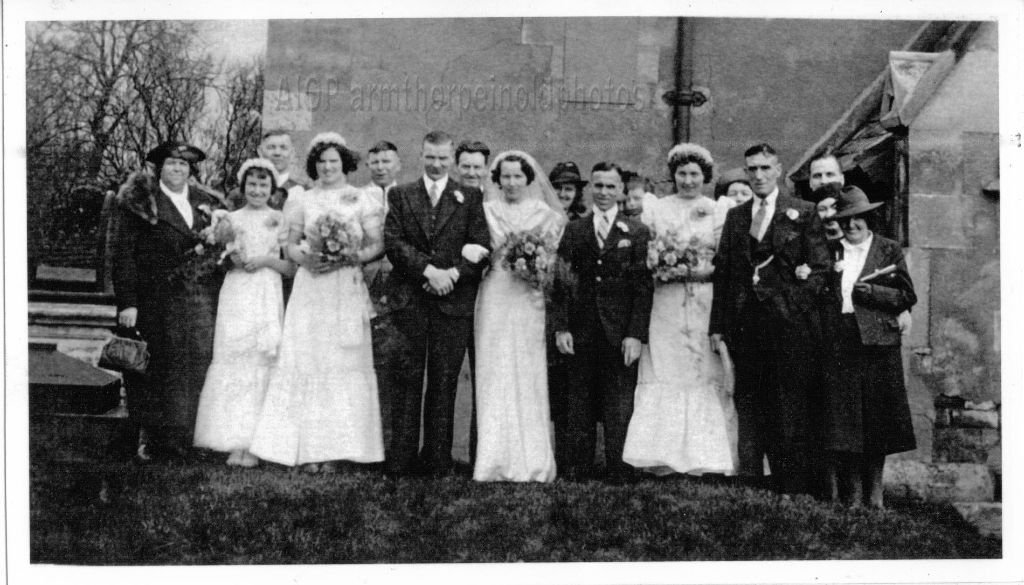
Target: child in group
column 638, row 194
column 249, row 316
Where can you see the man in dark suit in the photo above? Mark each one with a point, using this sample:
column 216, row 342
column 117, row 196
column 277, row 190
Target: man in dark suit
column 431, row 293
column 601, row 308
column 769, row 319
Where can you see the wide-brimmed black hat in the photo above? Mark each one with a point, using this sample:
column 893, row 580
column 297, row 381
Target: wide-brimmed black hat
column 175, row 149
column 566, row 172
column 852, row 201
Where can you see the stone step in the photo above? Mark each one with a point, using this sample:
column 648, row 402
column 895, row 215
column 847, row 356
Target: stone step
column 940, row 482
column 987, row 516
column 964, row 445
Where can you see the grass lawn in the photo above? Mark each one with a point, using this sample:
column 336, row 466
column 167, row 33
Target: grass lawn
column 206, row 513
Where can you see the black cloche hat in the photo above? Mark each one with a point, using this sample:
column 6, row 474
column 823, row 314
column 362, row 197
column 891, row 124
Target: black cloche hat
column 175, row 149
column 566, row 172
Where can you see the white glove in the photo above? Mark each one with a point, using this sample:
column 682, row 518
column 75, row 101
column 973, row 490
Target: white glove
column 474, row 253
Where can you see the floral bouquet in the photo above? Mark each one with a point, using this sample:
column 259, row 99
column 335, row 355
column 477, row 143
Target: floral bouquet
column 529, row 255
column 212, row 240
column 335, row 239
column 673, row 259
column 227, row 236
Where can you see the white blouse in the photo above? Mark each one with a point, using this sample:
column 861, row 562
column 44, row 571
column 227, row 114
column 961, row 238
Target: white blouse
column 854, row 257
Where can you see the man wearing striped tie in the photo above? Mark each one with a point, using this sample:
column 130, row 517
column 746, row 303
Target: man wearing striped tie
column 767, row 317
column 600, row 310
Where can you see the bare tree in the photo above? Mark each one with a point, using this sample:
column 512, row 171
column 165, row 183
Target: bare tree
column 235, row 134
column 100, row 94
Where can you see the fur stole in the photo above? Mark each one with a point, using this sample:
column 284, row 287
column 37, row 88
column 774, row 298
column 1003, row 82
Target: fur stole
column 138, row 195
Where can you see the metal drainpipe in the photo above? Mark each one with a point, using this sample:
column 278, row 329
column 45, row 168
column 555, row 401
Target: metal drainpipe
column 682, row 97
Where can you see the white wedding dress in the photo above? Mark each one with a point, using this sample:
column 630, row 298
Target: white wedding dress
column 246, row 338
column 514, row 438
column 322, row 402
column 682, row 420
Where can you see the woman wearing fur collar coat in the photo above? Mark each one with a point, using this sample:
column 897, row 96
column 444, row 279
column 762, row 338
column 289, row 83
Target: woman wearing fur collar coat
column 165, row 289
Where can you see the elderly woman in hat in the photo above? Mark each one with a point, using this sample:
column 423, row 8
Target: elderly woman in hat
column 166, row 293
column 865, row 411
column 568, row 183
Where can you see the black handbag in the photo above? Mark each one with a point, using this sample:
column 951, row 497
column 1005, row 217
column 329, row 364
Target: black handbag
column 125, row 352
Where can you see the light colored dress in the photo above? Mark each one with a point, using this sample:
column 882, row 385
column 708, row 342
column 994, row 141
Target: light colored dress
column 246, row 337
column 322, row 402
column 683, row 419
column 514, row 437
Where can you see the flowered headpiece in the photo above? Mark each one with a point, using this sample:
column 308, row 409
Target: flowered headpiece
column 327, row 138
column 688, row 150
column 261, row 163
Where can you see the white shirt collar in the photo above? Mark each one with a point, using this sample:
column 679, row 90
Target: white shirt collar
column 769, row 199
column 283, row 177
column 182, row 195
column 609, row 213
column 180, row 202
column 441, row 183
column 858, row 248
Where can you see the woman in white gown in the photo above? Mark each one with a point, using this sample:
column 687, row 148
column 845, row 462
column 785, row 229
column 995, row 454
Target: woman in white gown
column 322, row 403
column 249, row 315
column 511, row 353
column 681, row 417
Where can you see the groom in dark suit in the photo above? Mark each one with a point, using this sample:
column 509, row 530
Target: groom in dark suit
column 768, row 318
column 601, row 307
column 431, row 293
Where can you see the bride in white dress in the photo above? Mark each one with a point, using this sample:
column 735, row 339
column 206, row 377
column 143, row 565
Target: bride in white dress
column 322, row 403
column 681, row 415
column 511, row 363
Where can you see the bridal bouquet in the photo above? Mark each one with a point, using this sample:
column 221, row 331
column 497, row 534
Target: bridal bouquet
column 529, row 255
column 336, row 239
column 675, row 259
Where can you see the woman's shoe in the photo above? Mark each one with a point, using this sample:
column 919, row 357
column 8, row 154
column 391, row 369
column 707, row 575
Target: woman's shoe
column 248, row 460
column 310, row 468
column 329, row 467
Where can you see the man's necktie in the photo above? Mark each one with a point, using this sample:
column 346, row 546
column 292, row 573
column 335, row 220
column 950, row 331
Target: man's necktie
column 602, row 229
column 759, row 217
column 434, row 195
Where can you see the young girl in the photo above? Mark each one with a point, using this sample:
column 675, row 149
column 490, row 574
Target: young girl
column 249, row 318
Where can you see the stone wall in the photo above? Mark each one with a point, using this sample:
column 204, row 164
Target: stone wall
column 954, row 238
column 587, row 89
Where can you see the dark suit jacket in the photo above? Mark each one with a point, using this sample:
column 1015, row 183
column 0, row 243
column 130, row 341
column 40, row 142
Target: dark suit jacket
column 605, row 289
column 795, row 236
column 416, row 234
column 890, row 295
